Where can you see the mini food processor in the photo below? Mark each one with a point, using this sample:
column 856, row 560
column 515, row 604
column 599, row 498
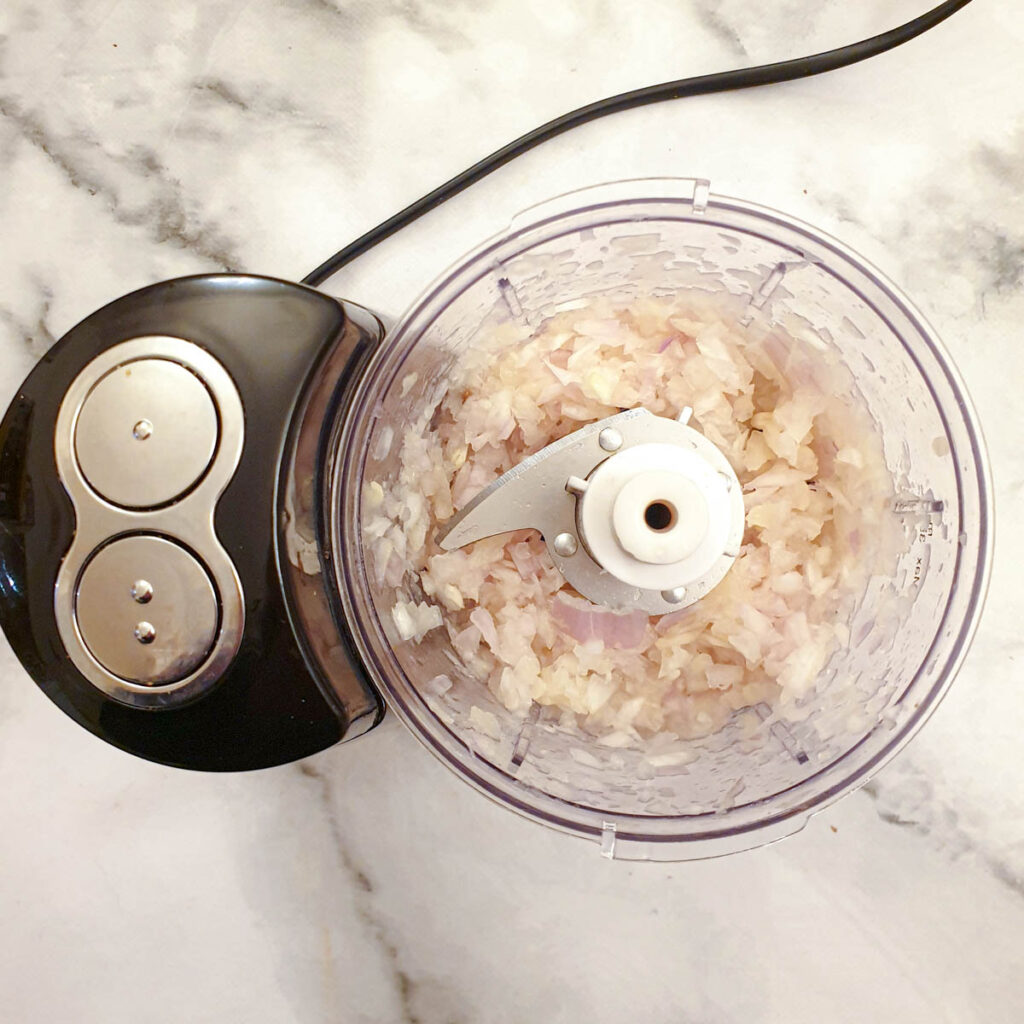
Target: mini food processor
column 186, row 569
column 189, row 483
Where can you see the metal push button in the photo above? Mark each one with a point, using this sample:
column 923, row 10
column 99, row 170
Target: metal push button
column 147, row 610
column 146, row 433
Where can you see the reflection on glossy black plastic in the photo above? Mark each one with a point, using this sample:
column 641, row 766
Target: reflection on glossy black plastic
column 307, row 570
column 268, row 707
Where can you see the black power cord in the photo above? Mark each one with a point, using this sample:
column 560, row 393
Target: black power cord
column 724, row 81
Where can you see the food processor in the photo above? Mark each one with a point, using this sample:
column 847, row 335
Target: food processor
column 185, row 542
column 185, row 570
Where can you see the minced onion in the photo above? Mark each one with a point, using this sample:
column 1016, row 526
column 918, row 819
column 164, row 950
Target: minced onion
column 815, row 485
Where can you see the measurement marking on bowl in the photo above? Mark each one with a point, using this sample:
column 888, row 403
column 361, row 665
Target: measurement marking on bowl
column 764, row 292
column 508, row 293
column 522, row 746
column 918, row 505
column 771, row 282
column 783, row 734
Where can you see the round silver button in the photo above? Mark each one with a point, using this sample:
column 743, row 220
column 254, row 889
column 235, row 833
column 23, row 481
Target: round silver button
column 175, row 633
column 146, row 433
column 145, row 632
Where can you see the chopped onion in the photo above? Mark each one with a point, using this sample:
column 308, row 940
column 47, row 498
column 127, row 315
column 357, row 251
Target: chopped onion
column 584, row 621
column 815, row 486
column 481, row 618
column 438, row 686
column 414, row 620
column 485, row 722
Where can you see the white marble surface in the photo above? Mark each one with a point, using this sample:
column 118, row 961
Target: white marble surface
column 141, row 141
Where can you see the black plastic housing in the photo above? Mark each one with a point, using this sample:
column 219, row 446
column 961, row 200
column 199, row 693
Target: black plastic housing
column 275, row 702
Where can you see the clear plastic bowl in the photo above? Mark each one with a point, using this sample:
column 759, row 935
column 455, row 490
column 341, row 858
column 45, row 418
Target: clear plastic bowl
column 911, row 629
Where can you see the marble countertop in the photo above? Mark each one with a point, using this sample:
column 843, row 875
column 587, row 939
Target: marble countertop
column 140, row 142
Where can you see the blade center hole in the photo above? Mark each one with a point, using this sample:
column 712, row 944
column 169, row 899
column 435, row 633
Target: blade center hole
column 660, row 516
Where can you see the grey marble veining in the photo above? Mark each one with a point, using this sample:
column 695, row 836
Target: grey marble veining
column 139, row 142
